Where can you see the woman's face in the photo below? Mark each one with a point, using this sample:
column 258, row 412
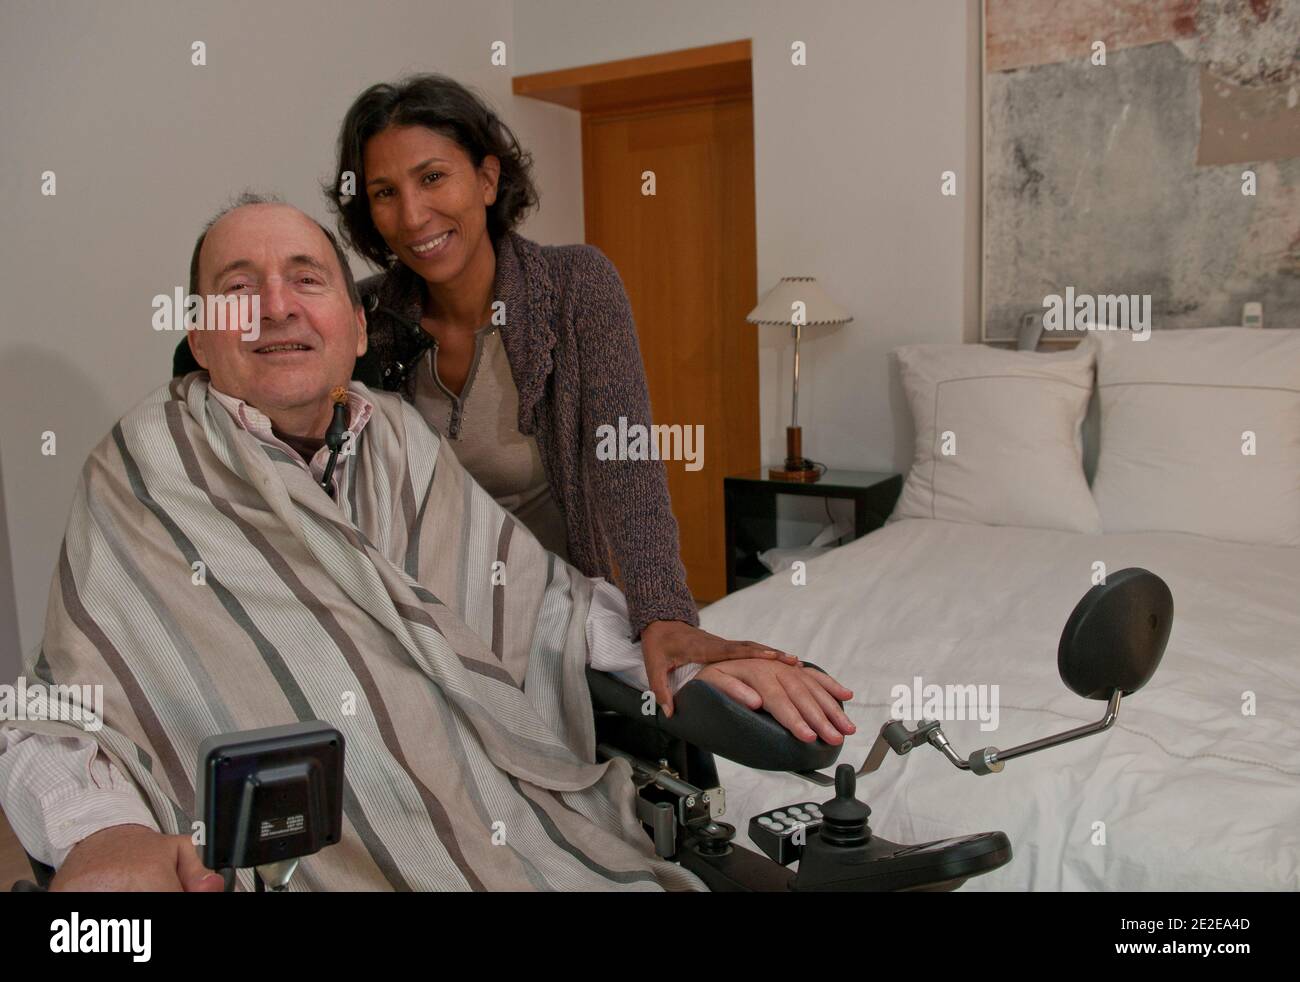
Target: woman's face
column 428, row 200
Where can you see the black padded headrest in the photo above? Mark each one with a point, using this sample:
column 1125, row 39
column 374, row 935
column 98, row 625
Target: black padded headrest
column 1116, row 635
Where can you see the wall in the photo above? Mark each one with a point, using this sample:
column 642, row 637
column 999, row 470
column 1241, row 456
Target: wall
column 849, row 150
column 145, row 146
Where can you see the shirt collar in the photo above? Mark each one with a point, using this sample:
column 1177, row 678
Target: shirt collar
column 257, row 423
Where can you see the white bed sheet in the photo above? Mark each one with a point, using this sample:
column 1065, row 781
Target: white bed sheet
column 1194, row 794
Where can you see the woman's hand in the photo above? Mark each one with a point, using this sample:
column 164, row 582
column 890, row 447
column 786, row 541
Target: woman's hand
column 667, row 644
column 802, row 699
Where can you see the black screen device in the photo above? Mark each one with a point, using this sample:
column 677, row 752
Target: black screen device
column 270, row 794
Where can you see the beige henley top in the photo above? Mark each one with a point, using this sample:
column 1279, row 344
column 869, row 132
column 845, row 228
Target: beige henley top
column 482, row 427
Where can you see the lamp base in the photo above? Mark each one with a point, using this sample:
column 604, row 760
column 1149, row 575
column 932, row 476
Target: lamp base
column 786, row 474
column 797, row 467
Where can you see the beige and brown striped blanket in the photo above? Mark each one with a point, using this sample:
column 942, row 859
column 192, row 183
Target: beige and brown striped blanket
column 211, row 586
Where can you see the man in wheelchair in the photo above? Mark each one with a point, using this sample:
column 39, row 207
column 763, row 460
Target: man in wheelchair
column 264, row 542
column 265, row 564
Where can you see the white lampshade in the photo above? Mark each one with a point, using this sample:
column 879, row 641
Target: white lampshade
column 777, row 305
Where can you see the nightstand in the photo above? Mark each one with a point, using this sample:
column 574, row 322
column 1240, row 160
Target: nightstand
column 751, row 512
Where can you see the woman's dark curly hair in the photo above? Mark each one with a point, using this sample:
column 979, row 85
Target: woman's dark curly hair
column 445, row 106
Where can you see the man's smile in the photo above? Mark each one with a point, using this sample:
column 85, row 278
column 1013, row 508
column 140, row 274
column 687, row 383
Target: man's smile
column 281, row 348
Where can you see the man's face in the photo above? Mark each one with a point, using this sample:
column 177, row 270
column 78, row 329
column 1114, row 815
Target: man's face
column 310, row 334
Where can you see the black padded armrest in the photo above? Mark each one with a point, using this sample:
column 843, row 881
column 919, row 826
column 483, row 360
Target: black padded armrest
column 717, row 724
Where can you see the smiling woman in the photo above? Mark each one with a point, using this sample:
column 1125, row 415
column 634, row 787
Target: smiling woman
column 519, row 354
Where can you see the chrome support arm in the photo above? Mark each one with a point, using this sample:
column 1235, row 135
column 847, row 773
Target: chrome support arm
column 895, row 736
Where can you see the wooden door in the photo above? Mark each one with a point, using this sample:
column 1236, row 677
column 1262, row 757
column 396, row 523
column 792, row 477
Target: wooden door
column 686, row 253
column 686, row 256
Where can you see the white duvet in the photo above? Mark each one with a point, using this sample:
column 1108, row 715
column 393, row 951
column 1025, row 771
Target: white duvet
column 1187, row 791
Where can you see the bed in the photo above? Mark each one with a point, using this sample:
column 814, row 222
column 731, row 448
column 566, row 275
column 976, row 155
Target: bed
column 1193, row 794
column 1001, row 527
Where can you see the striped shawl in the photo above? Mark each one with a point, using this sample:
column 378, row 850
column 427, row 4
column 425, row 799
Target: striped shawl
column 460, row 694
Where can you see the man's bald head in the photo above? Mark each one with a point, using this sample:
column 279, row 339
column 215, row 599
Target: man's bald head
column 254, row 198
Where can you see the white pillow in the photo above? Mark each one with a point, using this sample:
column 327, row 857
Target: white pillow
column 1176, row 411
column 1013, row 419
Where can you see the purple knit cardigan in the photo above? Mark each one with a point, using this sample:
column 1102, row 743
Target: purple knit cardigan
column 572, row 347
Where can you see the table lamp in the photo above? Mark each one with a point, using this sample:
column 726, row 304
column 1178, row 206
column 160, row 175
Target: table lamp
column 796, row 301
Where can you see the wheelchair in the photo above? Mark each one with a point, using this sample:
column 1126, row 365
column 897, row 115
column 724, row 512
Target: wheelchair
column 1110, row 647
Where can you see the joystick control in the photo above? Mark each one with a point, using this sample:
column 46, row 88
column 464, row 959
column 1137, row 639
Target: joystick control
column 844, row 818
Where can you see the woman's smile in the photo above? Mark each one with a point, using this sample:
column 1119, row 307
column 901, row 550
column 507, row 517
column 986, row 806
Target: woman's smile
column 432, row 246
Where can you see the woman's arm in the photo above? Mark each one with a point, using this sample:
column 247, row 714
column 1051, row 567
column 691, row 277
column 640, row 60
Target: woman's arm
column 631, row 496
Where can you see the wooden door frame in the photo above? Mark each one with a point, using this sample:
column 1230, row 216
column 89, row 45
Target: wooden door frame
column 710, row 73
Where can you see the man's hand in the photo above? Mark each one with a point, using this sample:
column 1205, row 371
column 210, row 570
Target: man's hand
column 667, row 644
column 802, row 699
column 132, row 857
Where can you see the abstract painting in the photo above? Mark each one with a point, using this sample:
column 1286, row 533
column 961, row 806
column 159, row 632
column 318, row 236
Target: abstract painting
column 1142, row 148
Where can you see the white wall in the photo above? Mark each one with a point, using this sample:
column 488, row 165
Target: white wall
column 145, row 146
column 848, row 156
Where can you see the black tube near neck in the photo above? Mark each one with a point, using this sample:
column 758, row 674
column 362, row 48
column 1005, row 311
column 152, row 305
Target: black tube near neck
column 335, row 437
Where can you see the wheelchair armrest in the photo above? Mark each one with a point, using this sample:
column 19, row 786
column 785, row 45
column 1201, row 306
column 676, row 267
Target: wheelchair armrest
column 717, row 724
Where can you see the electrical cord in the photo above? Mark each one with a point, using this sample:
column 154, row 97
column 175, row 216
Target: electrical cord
column 336, row 435
column 821, row 470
